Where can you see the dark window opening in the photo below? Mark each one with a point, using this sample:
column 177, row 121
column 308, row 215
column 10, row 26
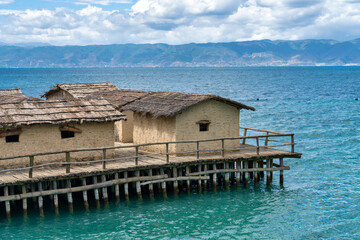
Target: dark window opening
column 67, row 134
column 13, row 138
column 204, row 127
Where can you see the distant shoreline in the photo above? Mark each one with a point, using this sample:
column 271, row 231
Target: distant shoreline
column 263, row 53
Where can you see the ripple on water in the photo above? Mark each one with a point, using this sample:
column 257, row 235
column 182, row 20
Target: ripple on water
column 320, row 197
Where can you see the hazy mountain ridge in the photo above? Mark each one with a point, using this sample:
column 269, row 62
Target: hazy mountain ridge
column 249, row 53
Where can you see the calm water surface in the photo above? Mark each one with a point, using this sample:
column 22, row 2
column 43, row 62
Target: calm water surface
column 321, row 194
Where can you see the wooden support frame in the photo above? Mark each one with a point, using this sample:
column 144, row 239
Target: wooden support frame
column 10, row 132
column 70, row 129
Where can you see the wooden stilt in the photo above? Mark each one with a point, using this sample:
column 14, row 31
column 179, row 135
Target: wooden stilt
column 205, row 181
column 126, row 187
column 40, row 200
column 250, row 165
column 24, row 201
column 85, row 197
column 227, row 184
column 281, row 160
column 188, row 186
column 176, row 187
column 221, row 176
column 32, row 186
column 7, row 203
column 69, row 197
column 246, row 175
column 271, row 166
column 238, row 174
column 151, row 186
column 180, row 173
column 262, row 166
column 50, row 187
column 138, row 186
column 232, row 175
column 163, row 184
column 56, row 199
column 199, row 181
column 214, row 178
column 12, row 192
column 158, row 185
column 104, row 191
column 117, row 188
column 268, row 177
column 256, row 174
column 96, row 193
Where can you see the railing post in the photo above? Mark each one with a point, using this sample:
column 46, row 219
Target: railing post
column 257, row 146
column 197, row 150
column 31, row 165
column 167, row 153
column 244, row 139
column 104, row 157
column 136, row 155
column 223, row 147
column 266, row 139
column 292, row 144
column 67, row 160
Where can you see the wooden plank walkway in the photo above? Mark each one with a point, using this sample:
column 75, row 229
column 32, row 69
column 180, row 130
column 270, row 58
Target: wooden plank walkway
column 125, row 160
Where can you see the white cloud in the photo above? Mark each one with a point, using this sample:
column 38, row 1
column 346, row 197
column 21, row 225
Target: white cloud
column 101, row 2
column 177, row 22
column 6, row 1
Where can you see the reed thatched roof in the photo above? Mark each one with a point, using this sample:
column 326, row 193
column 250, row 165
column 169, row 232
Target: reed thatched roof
column 17, row 111
column 13, row 95
column 169, row 104
column 105, row 90
column 154, row 103
column 11, row 92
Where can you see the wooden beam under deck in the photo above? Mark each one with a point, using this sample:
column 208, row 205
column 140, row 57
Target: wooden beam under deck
column 145, row 161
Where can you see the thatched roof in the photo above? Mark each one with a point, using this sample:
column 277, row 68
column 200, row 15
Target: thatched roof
column 82, row 90
column 17, row 111
column 105, row 90
column 13, row 95
column 11, row 92
column 172, row 103
column 154, row 103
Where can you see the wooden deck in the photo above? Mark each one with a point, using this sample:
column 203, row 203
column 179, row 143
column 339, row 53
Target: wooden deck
column 125, row 160
column 133, row 170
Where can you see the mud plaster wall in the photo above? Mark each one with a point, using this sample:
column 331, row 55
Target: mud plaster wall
column 224, row 122
column 47, row 138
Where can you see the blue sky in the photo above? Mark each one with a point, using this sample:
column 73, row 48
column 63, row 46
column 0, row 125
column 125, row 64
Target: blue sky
column 85, row 22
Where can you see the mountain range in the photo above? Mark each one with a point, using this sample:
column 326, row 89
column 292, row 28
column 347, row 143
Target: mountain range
column 230, row 54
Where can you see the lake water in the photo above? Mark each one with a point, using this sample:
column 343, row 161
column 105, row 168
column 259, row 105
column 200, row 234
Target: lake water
column 321, row 194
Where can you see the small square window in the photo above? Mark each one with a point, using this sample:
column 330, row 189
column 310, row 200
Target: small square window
column 67, row 134
column 13, row 138
column 204, row 127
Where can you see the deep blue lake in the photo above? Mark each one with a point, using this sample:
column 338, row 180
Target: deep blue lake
column 321, row 194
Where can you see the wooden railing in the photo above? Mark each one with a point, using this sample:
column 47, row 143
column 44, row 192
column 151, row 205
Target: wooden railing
column 268, row 135
column 104, row 160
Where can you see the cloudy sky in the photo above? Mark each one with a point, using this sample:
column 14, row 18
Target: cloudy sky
column 84, row 22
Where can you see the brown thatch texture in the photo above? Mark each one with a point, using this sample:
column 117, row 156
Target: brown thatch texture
column 107, row 91
column 172, row 103
column 17, row 111
column 154, row 103
column 11, row 92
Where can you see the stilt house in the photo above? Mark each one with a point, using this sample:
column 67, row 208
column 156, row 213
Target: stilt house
column 163, row 116
column 118, row 98
column 31, row 125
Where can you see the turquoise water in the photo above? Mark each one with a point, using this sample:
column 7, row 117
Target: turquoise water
column 321, row 193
